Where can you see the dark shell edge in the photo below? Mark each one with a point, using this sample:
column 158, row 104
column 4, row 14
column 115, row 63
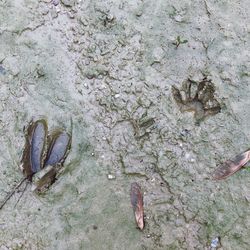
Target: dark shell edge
column 26, row 156
column 51, row 142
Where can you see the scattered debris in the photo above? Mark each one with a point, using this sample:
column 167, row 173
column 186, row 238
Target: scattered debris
column 231, row 166
column 136, row 197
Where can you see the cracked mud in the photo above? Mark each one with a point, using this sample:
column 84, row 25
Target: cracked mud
column 119, row 69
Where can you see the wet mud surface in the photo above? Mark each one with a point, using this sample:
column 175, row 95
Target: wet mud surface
column 111, row 67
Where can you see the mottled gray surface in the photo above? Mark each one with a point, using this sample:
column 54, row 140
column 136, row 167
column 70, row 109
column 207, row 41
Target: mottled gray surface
column 110, row 66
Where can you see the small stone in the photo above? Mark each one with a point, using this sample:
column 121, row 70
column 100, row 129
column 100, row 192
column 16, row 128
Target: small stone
column 215, row 242
column 40, row 71
column 55, row 2
column 110, row 17
column 178, row 18
column 111, row 176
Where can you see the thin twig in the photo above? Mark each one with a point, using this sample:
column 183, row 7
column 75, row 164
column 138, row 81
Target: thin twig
column 22, row 193
column 12, row 192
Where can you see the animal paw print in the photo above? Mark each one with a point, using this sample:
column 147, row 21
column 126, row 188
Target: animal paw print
column 197, row 97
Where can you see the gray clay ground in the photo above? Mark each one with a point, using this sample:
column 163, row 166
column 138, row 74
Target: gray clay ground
column 110, row 66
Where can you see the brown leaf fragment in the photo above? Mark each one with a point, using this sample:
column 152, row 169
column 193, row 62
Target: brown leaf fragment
column 136, row 197
column 231, row 166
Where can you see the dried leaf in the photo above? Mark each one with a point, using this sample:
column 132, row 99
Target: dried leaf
column 136, row 197
column 231, row 166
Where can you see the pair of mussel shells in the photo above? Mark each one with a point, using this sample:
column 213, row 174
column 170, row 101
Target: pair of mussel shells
column 43, row 154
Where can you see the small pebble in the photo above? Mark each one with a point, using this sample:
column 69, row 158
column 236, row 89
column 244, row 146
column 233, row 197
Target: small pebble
column 110, row 17
column 111, row 177
column 215, row 242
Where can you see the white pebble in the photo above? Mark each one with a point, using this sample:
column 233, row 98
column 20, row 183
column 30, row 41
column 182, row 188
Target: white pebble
column 111, row 176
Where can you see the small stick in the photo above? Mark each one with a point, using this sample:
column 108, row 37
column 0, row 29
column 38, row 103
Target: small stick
column 22, row 193
column 12, row 192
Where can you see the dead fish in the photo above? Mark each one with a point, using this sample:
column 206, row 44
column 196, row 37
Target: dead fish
column 34, row 149
column 59, row 147
column 231, row 166
column 136, row 197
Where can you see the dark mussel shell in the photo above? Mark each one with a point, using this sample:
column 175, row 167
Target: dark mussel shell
column 60, row 143
column 34, row 150
column 231, row 166
column 136, row 198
